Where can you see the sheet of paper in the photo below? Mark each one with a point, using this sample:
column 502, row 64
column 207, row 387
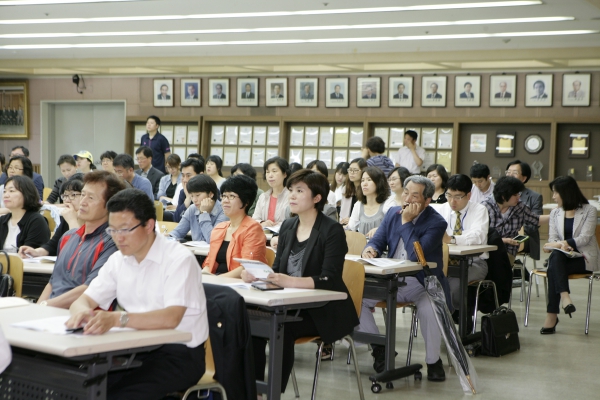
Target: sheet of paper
column 244, row 155
column 297, row 136
column 231, row 135
column 445, row 158
column 272, row 152
column 197, row 243
column 217, row 134
column 260, row 135
column 311, row 136
column 341, row 137
column 217, row 151
column 340, row 156
column 167, row 131
column 579, row 146
column 229, row 156
column 54, row 325
column 258, row 157
column 258, row 269
column 309, row 155
column 8, row 302
column 326, row 155
column 180, row 151
column 356, row 137
column 384, row 134
column 44, row 259
column 396, row 138
column 445, row 139
column 326, row 136
column 239, row 285
column 192, row 137
column 274, row 229
column 273, row 136
column 180, row 134
column 428, row 138
column 245, row 135
column 140, row 130
column 296, row 156
column 505, row 145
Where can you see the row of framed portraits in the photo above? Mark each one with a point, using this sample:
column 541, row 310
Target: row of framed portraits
column 401, row 93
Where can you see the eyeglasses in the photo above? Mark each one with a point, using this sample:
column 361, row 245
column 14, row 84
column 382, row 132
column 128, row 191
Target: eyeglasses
column 353, row 170
column 141, row 159
column 11, row 168
column 106, row 161
column 71, row 196
column 511, row 173
column 393, row 179
column 457, row 198
column 230, row 197
column 123, row 232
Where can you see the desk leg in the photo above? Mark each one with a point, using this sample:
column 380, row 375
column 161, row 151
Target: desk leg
column 464, row 285
column 390, row 325
column 275, row 356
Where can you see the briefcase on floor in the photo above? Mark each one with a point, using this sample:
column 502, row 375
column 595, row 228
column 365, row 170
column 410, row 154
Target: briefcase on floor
column 499, row 333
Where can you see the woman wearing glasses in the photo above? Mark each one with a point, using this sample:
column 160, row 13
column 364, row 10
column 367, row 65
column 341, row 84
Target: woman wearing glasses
column 241, row 236
column 396, row 181
column 352, row 188
column 17, row 165
column 23, row 225
column 367, row 213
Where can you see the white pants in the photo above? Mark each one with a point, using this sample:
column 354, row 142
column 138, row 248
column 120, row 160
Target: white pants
column 476, row 271
column 412, row 292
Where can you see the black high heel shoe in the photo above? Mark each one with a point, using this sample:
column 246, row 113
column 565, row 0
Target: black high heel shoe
column 549, row 331
column 570, row 308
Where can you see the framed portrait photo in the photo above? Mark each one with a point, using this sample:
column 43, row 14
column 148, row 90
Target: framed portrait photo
column 247, row 92
column 14, row 120
column 218, row 92
column 503, row 91
column 277, row 92
column 307, row 92
column 467, row 91
column 400, row 92
column 163, row 93
column 433, row 91
column 368, row 92
column 190, row 92
column 336, row 92
column 538, row 90
column 576, row 90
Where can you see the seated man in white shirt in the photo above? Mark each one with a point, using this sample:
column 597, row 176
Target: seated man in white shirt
column 159, row 284
column 482, row 183
column 468, row 225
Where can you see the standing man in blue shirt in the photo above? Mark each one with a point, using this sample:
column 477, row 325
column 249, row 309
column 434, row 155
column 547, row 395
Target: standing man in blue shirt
column 157, row 142
column 123, row 166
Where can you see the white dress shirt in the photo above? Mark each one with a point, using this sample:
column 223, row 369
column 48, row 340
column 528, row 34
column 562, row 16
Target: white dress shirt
column 404, row 158
column 168, row 276
column 475, row 223
column 477, row 196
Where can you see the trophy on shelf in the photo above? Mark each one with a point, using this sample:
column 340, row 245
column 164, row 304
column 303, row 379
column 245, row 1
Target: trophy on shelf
column 537, row 169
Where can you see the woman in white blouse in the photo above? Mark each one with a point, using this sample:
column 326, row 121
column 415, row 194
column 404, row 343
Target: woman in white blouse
column 367, row 213
column 271, row 205
column 396, row 181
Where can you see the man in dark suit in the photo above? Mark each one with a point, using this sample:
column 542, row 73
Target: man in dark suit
column 164, row 89
column 191, row 92
column 503, row 94
column 467, row 93
column 397, row 233
column 144, row 159
column 336, row 95
column 248, row 94
column 219, row 92
column 368, row 93
column 276, row 92
column 539, row 87
column 401, row 94
column 307, row 94
column 434, row 91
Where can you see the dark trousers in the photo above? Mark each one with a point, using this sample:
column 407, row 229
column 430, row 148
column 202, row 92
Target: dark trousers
column 171, row 368
column 291, row 332
column 559, row 268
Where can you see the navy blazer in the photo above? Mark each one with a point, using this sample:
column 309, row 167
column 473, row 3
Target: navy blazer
column 428, row 230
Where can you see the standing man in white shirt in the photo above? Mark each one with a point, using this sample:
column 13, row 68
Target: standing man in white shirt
column 468, row 225
column 410, row 156
column 159, row 285
column 482, row 183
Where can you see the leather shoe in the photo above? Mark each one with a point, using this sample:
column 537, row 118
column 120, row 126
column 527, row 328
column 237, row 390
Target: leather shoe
column 435, row 372
column 379, row 357
column 570, row 308
column 549, row 331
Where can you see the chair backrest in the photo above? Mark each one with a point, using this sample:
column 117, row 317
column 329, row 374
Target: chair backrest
column 159, row 210
column 446, row 257
column 356, row 242
column 354, row 278
column 522, row 244
column 167, row 226
column 270, row 255
column 209, row 361
column 46, row 193
column 51, row 223
column 16, row 270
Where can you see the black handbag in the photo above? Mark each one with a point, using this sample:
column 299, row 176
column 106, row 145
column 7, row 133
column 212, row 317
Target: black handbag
column 499, row 333
column 7, row 283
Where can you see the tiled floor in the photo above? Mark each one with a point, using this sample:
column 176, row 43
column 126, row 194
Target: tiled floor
column 560, row 366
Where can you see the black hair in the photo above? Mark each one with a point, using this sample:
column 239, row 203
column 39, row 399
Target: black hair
column 113, row 183
column 540, row 82
column 27, row 166
column 282, row 164
column 569, row 192
column 197, row 157
column 146, row 150
column 156, row 119
column 173, row 160
column 525, row 168
column 66, row 158
column 376, row 144
column 480, row 171
column 352, row 190
column 321, row 167
column 203, row 184
column 124, row 160
column 135, row 201
column 242, row 185
column 198, row 165
column 412, row 133
column 246, row 169
column 441, row 170
column 218, row 162
column 108, row 154
column 294, row 167
column 402, row 172
column 382, row 188
column 2, row 161
column 468, row 83
column 459, row 182
column 343, row 168
column 316, row 182
column 23, row 148
column 506, row 187
column 74, row 185
column 31, row 196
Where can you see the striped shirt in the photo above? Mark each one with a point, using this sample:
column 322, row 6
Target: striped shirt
column 79, row 258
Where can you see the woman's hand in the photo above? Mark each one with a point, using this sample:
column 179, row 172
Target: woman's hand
column 564, row 245
column 247, row 277
column 344, row 221
column 369, row 252
column 371, row 233
column 206, row 270
column 282, row 280
column 267, row 223
column 510, row 241
column 552, row 245
column 274, row 242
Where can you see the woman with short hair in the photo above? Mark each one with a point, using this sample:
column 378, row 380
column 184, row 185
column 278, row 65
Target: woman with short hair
column 396, row 181
column 271, row 205
column 437, row 174
column 213, row 169
column 169, row 182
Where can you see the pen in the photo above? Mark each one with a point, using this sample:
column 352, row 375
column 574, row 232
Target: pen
column 28, row 255
column 75, row 330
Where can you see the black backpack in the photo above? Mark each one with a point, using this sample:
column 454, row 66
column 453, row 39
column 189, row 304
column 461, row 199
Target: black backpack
column 7, row 283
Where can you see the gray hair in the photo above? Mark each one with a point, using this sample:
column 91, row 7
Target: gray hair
column 421, row 180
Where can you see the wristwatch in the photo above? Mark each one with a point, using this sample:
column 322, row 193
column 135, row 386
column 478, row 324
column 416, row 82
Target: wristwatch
column 124, row 319
column 44, row 303
column 452, row 240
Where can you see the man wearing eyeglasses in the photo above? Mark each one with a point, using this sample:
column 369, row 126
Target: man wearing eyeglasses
column 144, row 159
column 123, row 165
column 83, row 251
column 468, row 225
column 159, row 285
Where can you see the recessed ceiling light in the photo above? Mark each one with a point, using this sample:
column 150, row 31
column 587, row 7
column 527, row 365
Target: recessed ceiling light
column 275, row 13
column 52, row 2
column 289, row 28
column 298, row 41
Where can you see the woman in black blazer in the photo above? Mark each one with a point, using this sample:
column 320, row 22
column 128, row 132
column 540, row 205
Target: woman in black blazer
column 310, row 255
column 24, row 225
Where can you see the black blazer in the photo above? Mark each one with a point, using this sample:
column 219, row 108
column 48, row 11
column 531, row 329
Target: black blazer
column 324, row 262
column 154, row 176
column 33, row 226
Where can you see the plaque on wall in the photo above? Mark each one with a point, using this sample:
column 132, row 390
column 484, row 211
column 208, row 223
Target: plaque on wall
column 505, row 144
column 580, row 145
column 534, row 144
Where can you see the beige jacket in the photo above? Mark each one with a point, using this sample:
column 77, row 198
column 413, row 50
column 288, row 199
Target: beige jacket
column 261, row 212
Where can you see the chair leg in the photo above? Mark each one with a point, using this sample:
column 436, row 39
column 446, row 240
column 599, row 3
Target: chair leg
column 356, row 370
column 317, row 367
column 589, row 305
column 510, row 298
column 295, row 383
column 349, row 355
column 537, row 288
column 384, row 311
column 523, row 278
column 476, row 305
column 416, row 330
column 526, row 321
column 412, row 334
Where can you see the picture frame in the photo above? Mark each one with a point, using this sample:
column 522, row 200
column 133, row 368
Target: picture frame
column 503, row 90
column 538, row 90
column 277, row 92
column 163, row 93
column 15, row 125
column 478, row 143
column 191, row 92
column 368, row 92
column 433, row 91
column 576, row 90
column 505, row 144
column 307, row 92
column 579, row 145
column 218, row 92
column 247, row 92
column 467, row 91
column 336, row 92
column 400, row 91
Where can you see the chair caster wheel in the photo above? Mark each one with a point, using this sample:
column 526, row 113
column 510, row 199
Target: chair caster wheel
column 418, row 376
column 375, row 387
column 389, row 385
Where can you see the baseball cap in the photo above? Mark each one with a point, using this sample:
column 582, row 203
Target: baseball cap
column 84, row 154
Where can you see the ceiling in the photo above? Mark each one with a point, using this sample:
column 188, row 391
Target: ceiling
column 182, row 37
